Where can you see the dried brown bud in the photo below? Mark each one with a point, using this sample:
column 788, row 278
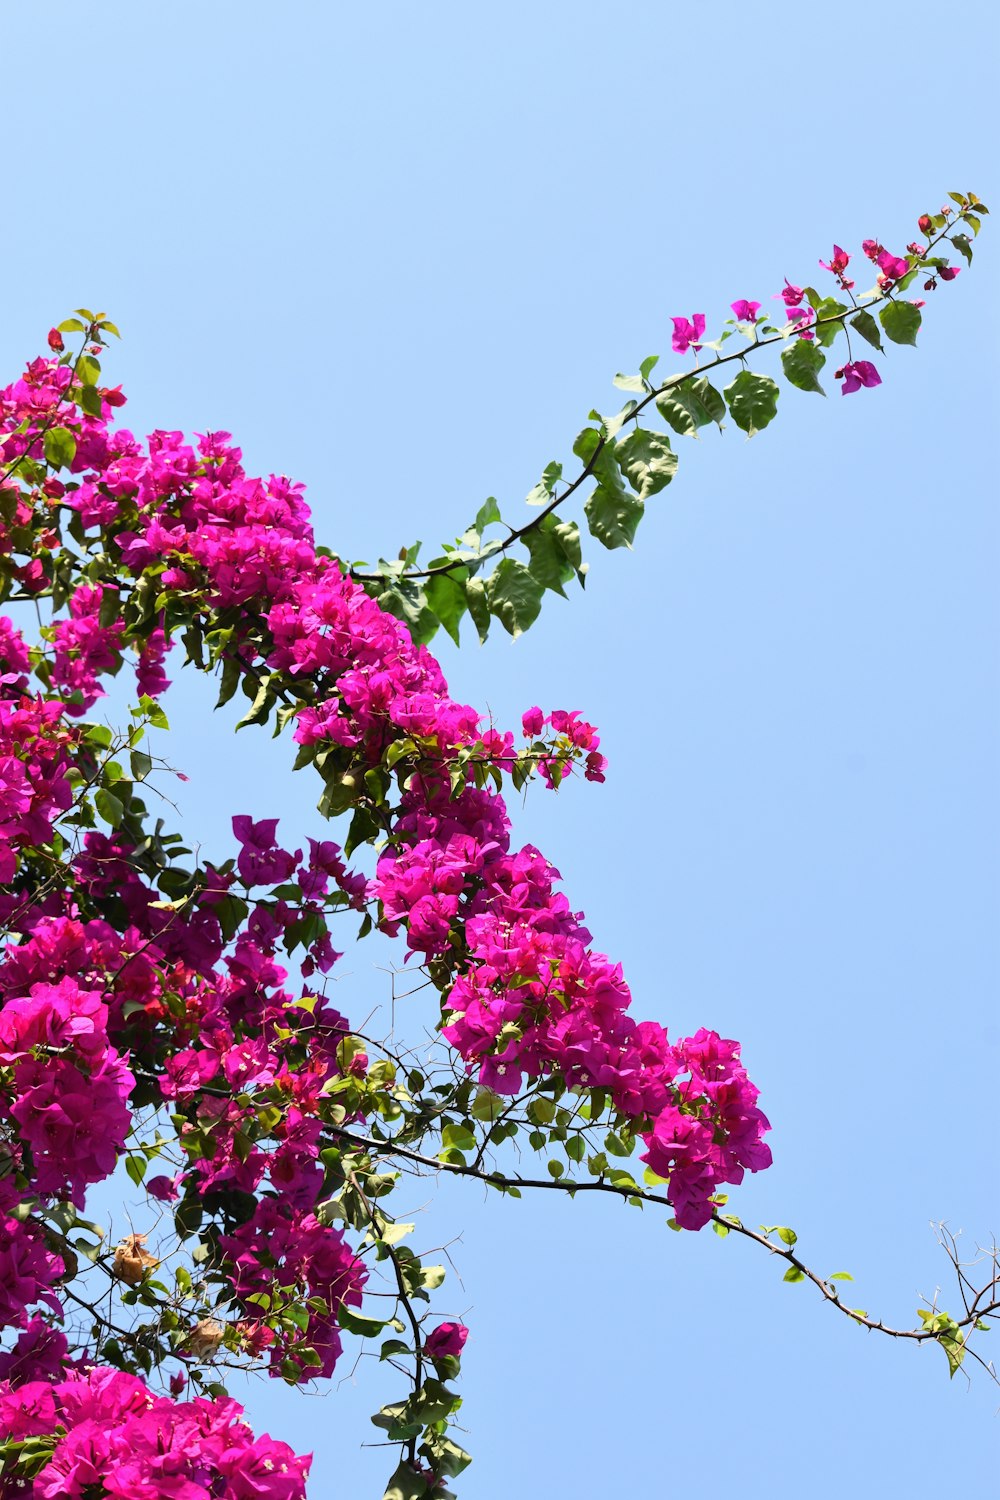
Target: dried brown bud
column 205, row 1338
column 131, row 1261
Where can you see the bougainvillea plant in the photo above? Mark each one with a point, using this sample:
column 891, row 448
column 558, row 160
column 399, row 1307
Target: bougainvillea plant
column 169, row 1018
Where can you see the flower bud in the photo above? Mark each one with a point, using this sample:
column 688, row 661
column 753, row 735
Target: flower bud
column 132, row 1261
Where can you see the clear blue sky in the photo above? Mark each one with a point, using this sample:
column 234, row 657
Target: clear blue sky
column 400, row 251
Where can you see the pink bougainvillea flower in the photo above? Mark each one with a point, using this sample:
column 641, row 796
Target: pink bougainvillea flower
column 260, row 861
column 838, row 265
column 856, row 374
column 948, row 273
column 802, row 317
column 892, row 266
column 746, row 312
column 790, row 295
column 446, row 1339
column 686, row 335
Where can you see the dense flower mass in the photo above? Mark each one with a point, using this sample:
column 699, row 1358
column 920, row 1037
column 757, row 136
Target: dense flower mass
column 173, row 1013
column 106, row 985
column 104, row 1433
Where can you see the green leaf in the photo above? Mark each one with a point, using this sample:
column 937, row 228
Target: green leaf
column 72, row 325
column 458, row 1137
column 613, row 517
column 786, row 1235
column 229, row 681
column 947, row 1333
column 841, row 1276
column 549, row 563
column 141, row 764
column 447, row 1457
column 109, row 807
column 60, row 447
column 136, row 1166
column 753, row 401
column 901, row 321
column 868, row 329
column 802, row 362
column 648, row 365
column 828, row 307
column 630, row 382
column 542, row 492
column 647, row 461
column 366, row 1328
column 406, row 1484
column 391, row 1234
column 149, row 708
column 487, row 1105
column 263, row 702
column 691, row 405
column 599, row 460
column 90, row 400
column 88, row 369
column 514, row 596
column 488, row 512
column 794, row 1274
column 567, row 534
column 475, row 595
column 406, row 600
column 446, row 596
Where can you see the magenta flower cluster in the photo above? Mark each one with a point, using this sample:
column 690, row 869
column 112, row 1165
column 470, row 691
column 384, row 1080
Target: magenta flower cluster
column 111, row 1436
column 130, row 983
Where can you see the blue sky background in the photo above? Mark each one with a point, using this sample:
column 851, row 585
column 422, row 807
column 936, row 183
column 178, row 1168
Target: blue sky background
column 400, row 252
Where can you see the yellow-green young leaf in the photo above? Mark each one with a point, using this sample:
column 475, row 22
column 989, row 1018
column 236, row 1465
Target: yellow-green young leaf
column 841, row 1276
column 60, row 447
column 391, row 1234
column 487, row 1105
column 630, row 382
column 794, row 1274
column 88, row 369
